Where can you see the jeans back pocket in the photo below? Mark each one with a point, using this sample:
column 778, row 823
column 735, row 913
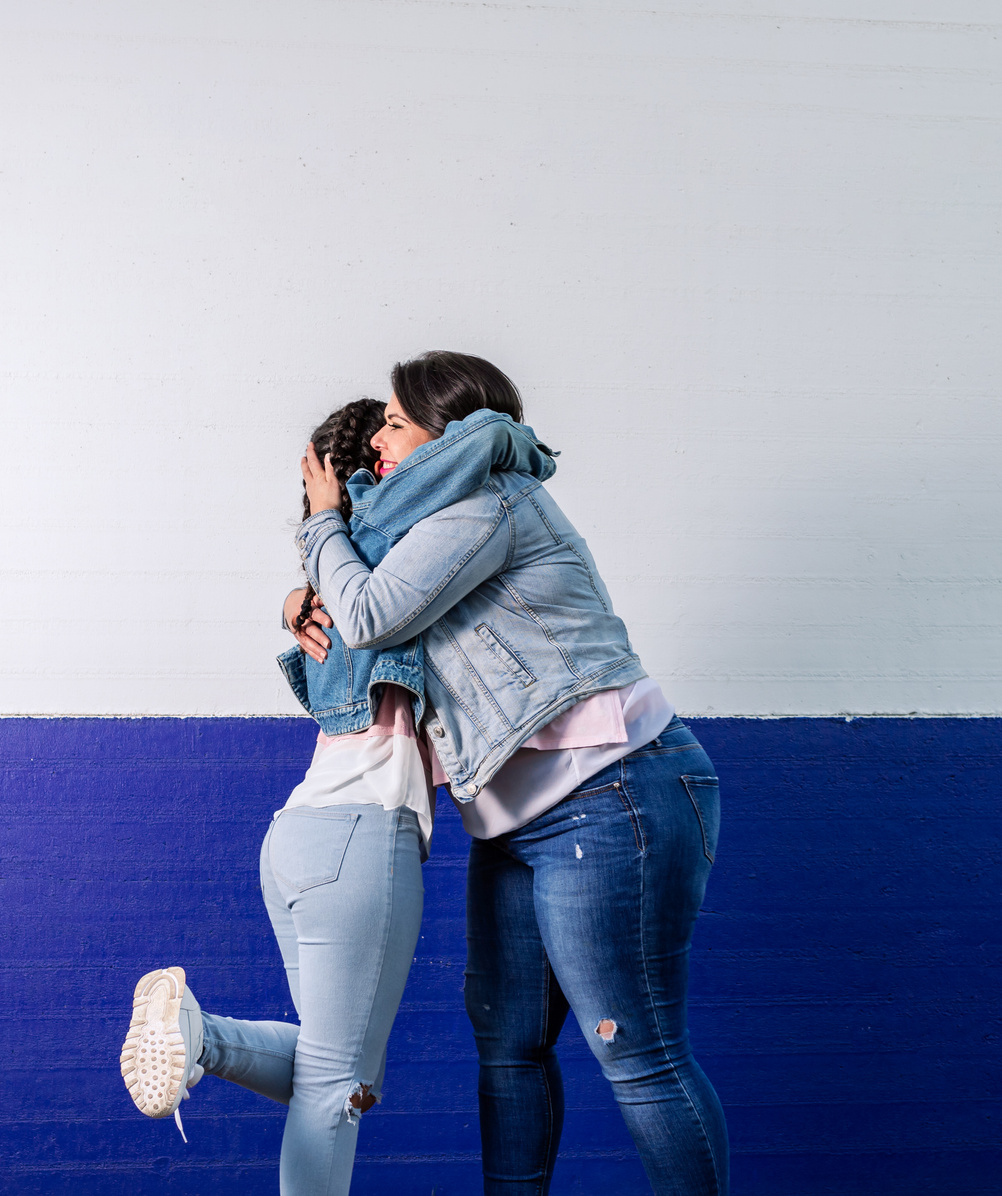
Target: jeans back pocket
column 307, row 846
column 704, row 793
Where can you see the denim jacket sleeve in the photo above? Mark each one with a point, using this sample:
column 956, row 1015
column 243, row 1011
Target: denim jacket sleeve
column 438, row 562
column 444, row 470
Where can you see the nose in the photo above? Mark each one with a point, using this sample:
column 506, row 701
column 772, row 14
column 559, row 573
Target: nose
column 377, row 441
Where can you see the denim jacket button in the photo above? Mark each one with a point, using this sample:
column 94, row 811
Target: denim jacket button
column 471, row 790
column 438, row 732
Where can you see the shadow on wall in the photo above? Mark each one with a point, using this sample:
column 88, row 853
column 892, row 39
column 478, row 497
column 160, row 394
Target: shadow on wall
column 844, row 977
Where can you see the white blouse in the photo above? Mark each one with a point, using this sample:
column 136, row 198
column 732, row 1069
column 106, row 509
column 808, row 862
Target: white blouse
column 385, row 765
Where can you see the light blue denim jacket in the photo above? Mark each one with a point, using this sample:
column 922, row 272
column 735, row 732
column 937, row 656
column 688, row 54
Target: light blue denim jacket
column 343, row 693
column 516, row 623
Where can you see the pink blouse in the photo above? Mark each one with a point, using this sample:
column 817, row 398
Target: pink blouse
column 588, row 737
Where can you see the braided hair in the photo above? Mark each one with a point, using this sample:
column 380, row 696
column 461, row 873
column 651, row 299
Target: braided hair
column 345, row 434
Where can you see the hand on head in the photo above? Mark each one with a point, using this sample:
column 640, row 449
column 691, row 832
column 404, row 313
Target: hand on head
column 322, row 486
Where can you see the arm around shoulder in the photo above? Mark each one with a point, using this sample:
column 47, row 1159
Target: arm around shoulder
column 440, row 560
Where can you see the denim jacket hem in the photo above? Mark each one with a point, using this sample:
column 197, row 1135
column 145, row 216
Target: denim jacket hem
column 349, row 717
column 465, row 785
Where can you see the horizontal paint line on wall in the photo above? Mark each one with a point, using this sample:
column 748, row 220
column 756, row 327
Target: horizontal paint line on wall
column 835, row 715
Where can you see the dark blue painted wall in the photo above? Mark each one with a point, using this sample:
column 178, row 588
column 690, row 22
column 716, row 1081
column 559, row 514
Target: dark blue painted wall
column 845, row 978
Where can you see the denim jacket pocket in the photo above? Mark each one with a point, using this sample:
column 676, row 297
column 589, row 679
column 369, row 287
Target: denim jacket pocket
column 504, row 655
column 307, row 846
column 704, row 793
column 293, row 665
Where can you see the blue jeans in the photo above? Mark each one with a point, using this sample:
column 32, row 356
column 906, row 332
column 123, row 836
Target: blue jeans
column 344, row 893
column 590, row 907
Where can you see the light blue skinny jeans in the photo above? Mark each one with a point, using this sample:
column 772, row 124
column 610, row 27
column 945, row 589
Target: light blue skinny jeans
column 343, row 889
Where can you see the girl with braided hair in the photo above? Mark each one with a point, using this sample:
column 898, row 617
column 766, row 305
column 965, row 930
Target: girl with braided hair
column 361, row 817
column 341, row 862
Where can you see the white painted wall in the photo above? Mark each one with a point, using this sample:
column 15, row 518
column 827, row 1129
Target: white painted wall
column 743, row 259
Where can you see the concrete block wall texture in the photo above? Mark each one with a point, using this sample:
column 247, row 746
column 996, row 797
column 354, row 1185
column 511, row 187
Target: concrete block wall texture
column 743, row 260
column 845, row 974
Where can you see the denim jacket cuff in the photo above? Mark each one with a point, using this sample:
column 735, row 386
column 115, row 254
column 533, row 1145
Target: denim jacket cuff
column 312, row 534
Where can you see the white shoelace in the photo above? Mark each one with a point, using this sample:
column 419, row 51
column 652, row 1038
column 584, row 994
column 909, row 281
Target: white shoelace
column 196, row 1074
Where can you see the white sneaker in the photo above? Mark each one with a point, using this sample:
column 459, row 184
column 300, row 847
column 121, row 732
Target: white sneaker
column 163, row 1045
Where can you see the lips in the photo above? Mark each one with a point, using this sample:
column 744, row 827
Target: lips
column 386, row 467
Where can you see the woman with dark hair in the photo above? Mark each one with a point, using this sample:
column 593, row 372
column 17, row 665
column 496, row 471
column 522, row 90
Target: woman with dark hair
column 593, row 809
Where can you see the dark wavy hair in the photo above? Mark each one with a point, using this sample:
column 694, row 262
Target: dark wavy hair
column 439, row 386
column 345, row 434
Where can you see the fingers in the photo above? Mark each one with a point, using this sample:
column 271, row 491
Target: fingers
column 320, row 616
column 323, row 489
column 310, row 464
column 310, row 647
column 292, row 606
column 312, row 639
column 316, row 634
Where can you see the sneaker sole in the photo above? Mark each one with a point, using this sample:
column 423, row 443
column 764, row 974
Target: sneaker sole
column 153, row 1057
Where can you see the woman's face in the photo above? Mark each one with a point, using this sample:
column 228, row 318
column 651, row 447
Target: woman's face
column 397, row 438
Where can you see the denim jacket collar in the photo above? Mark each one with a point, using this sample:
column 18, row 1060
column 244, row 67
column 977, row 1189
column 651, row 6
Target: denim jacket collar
column 445, row 470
